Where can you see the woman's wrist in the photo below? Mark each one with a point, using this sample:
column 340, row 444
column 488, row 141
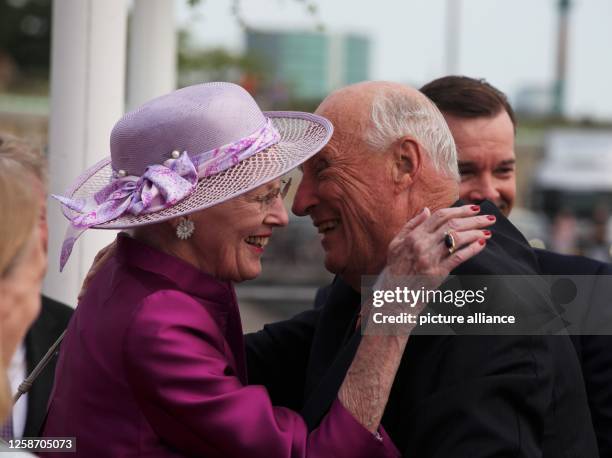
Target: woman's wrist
column 366, row 387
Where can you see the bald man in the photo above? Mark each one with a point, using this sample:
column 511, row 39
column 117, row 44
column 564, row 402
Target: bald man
column 392, row 154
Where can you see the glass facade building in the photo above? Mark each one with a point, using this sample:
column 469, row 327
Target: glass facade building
column 308, row 65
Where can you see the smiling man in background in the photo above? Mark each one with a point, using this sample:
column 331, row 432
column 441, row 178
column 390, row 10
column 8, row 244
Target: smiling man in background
column 483, row 125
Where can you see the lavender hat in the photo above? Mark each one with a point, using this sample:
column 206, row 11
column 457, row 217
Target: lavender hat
column 186, row 151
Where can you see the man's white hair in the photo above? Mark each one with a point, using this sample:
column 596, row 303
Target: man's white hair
column 396, row 114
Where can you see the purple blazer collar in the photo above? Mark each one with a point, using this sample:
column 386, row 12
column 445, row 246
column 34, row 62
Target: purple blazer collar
column 186, row 277
column 218, row 295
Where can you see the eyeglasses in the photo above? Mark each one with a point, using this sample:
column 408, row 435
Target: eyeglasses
column 267, row 201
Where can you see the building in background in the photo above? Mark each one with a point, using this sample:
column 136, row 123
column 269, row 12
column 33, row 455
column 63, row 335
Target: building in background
column 308, row 65
column 534, row 101
column 576, row 172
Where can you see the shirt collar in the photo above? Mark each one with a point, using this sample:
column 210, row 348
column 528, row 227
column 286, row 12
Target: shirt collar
column 342, row 290
column 18, row 359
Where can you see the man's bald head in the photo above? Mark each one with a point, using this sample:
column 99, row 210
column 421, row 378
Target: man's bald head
column 382, row 112
column 362, row 95
column 390, row 155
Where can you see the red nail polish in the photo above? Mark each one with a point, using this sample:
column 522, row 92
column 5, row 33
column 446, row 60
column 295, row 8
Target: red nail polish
column 487, row 233
column 475, row 208
column 482, row 241
column 491, row 217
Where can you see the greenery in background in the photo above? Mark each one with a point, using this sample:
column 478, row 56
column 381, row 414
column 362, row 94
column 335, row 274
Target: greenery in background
column 197, row 64
column 25, row 45
column 310, row 7
column 25, row 42
column 25, row 49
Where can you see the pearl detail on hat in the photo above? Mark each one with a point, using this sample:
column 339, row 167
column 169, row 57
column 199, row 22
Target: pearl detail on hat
column 121, row 173
column 176, row 154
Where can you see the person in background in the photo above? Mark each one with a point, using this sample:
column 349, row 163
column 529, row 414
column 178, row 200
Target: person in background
column 598, row 245
column 483, row 125
column 23, row 263
column 28, row 414
column 564, row 232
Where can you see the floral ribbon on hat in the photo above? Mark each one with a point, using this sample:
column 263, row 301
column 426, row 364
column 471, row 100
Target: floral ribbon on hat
column 161, row 185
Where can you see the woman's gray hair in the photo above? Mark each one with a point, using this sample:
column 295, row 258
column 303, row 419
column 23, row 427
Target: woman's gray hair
column 395, row 114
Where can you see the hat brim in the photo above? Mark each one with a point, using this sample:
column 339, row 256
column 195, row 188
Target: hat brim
column 302, row 136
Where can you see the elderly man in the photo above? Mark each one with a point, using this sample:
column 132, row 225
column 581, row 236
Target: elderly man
column 475, row 396
column 483, row 125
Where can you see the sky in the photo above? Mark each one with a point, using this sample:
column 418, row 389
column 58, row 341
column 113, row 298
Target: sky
column 511, row 43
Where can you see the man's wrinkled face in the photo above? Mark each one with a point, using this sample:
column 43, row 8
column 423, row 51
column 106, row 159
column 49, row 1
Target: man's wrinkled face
column 485, row 148
column 347, row 190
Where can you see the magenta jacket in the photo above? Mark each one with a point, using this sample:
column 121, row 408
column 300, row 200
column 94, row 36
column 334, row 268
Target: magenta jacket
column 153, row 365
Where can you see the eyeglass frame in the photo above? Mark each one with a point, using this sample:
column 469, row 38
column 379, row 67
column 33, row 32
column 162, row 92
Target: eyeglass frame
column 266, row 201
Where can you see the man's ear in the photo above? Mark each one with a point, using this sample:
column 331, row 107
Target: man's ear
column 407, row 157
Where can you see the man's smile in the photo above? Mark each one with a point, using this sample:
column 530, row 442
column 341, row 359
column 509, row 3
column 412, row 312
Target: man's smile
column 328, row 225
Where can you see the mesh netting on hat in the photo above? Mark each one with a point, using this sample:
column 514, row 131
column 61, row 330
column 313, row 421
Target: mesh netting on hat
column 301, row 137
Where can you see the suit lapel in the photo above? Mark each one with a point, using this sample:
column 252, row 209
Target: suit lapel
column 333, row 348
column 37, row 343
column 326, row 392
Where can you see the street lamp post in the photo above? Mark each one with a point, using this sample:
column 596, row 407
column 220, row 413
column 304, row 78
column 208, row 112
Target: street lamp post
column 561, row 64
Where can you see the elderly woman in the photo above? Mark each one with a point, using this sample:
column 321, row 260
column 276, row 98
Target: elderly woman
column 23, row 260
column 153, row 361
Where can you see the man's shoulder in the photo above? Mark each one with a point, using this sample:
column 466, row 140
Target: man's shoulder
column 553, row 263
column 337, row 290
column 322, row 295
column 52, row 321
column 60, row 311
column 507, row 251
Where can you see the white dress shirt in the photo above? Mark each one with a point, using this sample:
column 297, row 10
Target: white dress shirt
column 17, row 372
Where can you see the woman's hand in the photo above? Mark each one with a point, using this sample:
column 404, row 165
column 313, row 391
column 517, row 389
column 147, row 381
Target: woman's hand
column 420, row 249
column 419, row 256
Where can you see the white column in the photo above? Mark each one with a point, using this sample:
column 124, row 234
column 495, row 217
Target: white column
column 87, row 98
column 152, row 53
column 453, row 36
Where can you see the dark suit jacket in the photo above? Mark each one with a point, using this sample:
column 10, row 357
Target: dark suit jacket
column 453, row 396
column 594, row 351
column 51, row 322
